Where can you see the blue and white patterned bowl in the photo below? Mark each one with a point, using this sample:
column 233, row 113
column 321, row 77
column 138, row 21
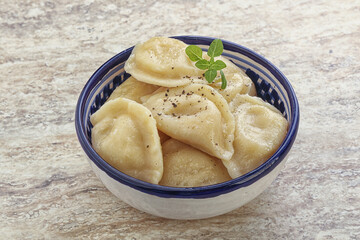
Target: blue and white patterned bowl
column 195, row 202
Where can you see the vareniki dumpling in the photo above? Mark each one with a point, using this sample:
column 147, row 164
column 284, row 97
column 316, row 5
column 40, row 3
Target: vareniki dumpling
column 185, row 166
column 132, row 89
column 260, row 130
column 124, row 134
column 237, row 81
column 162, row 61
column 196, row 115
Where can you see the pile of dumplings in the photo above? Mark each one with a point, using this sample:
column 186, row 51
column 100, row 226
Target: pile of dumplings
column 167, row 125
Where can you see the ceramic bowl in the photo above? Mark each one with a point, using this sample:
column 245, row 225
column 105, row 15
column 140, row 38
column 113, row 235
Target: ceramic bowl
column 193, row 202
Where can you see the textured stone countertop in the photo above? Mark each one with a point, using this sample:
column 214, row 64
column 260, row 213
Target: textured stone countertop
column 49, row 49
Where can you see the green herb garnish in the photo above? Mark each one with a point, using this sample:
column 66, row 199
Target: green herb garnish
column 216, row 48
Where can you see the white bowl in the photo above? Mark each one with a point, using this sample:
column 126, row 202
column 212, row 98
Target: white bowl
column 196, row 202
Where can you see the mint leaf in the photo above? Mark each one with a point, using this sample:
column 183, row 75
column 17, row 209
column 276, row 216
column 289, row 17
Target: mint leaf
column 218, row 65
column 212, row 60
column 194, row 53
column 202, row 64
column 223, row 80
column 216, row 48
column 210, row 75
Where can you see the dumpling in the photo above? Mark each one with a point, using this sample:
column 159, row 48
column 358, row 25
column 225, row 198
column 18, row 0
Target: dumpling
column 124, row 134
column 185, row 166
column 197, row 115
column 133, row 90
column 162, row 61
column 237, row 81
column 260, row 130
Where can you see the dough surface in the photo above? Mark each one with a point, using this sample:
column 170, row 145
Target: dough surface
column 132, row 89
column 185, row 166
column 196, row 115
column 124, row 134
column 162, row 61
column 260, row 130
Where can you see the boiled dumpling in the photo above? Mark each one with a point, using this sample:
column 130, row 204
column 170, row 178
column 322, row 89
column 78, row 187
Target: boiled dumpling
column 185, row 166
column 124, row 134
column 237, row 81
column 260, row 130
column 133, row 90
column 162, row 61
column 197, row 115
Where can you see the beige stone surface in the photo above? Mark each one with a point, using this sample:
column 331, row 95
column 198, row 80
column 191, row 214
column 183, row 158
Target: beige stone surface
column 49, row 49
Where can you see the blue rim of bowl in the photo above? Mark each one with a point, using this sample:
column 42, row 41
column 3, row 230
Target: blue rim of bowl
column 189, row 192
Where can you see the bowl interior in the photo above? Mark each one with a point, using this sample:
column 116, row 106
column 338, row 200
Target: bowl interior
column 271, row 86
